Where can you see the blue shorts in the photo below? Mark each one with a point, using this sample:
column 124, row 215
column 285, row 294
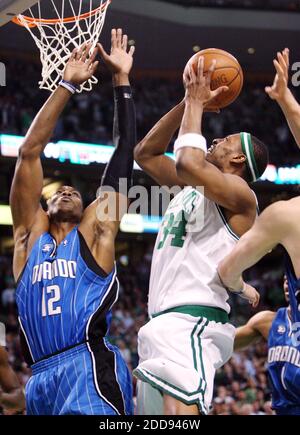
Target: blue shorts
column 291, row 410
column 81, row 381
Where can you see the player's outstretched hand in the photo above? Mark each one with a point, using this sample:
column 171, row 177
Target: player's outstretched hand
column 81, row 65
column 197, row 85
column 279, row 88
column 251, row 294
column 120, row 59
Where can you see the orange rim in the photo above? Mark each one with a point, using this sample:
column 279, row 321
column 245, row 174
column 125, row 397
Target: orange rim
column 33, row 22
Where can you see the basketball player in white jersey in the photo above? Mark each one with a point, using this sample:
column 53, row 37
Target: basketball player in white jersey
column 189, row 335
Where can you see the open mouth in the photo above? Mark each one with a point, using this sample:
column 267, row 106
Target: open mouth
column 66, row 199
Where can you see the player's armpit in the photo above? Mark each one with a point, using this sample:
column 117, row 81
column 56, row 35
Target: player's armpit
column 227, row 190
column 100, row 225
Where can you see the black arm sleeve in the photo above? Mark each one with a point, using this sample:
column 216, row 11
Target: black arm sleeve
column 118, row 172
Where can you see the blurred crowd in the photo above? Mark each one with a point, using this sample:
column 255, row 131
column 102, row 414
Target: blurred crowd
column 89, row 116
column 289, row 5
column 241, row 385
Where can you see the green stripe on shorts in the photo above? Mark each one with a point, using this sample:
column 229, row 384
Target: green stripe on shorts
column 213, row 314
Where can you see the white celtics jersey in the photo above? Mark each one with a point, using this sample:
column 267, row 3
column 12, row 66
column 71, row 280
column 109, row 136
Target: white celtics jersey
column 194, row 237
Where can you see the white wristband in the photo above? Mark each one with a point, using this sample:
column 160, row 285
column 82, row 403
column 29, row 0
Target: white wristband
column 191, row 140
column 69, row 86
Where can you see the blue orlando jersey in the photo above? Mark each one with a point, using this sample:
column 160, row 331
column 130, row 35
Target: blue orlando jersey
column 294, row 290
column 64, row 298
column 284, row 363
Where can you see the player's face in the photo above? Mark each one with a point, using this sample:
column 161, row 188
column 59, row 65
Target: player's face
column 221, row 151
column 286, row 288
column 66, row 205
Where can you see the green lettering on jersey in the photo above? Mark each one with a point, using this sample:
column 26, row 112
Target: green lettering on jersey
column 175, row 226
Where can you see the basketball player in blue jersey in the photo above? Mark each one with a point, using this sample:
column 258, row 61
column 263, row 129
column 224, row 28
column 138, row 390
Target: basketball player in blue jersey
column 64, row 260
column 283, row 355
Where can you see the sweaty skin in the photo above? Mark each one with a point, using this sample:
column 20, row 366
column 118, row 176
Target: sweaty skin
column 11, row 393
column 65, row 208
column 259, row 325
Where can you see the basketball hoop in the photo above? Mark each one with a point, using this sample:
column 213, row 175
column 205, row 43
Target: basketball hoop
column 57, row 37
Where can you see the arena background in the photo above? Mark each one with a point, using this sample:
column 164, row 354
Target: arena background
column 166, row 34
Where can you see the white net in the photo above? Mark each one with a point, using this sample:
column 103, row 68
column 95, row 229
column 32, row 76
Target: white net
column 57, row 37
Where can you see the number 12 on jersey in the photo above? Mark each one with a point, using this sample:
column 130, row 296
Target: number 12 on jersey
column 48, row 308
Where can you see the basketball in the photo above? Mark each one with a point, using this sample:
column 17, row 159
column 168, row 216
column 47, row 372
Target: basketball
column 228, row 72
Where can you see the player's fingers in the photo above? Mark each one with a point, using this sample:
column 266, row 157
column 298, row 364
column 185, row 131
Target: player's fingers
column 132, row 50
column 271, row 92
column 192, row 74
column 119, row 38
column 268, row 90
column 86, row 52
column 81, row 52
column 188, row 76
column 220, row 91
column 102, row 52
column 185, row 77
column 124, row 42
column 200, row 68
column 282, row 63
column 286, row 55
column 78, row 54
column 73, row 54
column 113, row 38
column 278, row 68
column 210, row 72
column 92, row 56
column 256, row 302
column 93, row 67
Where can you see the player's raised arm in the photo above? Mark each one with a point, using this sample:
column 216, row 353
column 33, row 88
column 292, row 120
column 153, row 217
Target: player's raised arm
column 281, row 93
column 28, row 179
column 192, row 162
column 11, row 394
column 150, row 152
column 268, row 231
column 100, row 223
column 257, row 327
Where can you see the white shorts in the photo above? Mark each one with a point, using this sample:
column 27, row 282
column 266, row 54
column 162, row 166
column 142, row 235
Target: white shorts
column 179, row 355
